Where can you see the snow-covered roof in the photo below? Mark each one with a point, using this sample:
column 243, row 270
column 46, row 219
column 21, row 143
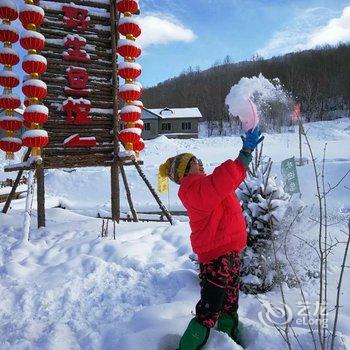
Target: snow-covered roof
column 164, row 113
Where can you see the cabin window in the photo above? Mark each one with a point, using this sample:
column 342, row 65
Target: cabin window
column 186, row 126
column 147, row 126
column 166, row 126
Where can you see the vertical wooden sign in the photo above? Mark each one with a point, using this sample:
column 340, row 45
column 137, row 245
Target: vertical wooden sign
column 79, row 78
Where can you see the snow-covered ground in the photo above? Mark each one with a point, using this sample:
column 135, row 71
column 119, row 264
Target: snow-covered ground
column 71, row 289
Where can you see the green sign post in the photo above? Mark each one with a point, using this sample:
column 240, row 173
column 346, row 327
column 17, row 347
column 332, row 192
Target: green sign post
column 290, row 176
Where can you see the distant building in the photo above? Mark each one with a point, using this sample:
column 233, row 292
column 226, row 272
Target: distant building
column 171, row 122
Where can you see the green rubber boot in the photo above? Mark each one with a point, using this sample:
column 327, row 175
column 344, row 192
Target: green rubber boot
column 230, row 325
column 195, row 336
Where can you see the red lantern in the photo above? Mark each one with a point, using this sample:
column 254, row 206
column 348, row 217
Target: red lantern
column 35, row 114
column 8, row 56
column 129, row 26
column 8, row 79
column 10, row 123
column 129, row 70
column 31, row 16
column 8, row 11
column 10, row 144
column 31, row 40
column 130, row 92
column 34, row 64
column 8, row 34
column 128, row 48
column 129, row 114
column 34, row 88
column 139, row 124
column 35, row 138
column 129, row 136
column 9, row 101
column 127, row 6
column 138, row 145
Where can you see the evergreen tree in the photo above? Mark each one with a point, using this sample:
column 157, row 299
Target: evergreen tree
column 264, row 205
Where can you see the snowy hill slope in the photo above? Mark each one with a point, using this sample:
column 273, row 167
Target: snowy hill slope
column 71, row 289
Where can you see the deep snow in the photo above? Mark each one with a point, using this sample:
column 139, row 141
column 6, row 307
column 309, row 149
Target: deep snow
column 71, row 289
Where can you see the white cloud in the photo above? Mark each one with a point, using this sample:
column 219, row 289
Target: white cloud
column 162, row 29
column 313, row 27
column 337, row 29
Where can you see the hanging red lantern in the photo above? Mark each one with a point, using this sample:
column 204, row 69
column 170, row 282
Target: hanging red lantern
column 9, row 101
column 129, row 136
column 31, row 16
column 32, row 41
column 34, row 65
column 35, row 114
column 127, row 7
column 130, row 114
column 10, row 145
column 8, row 79
column 8, row 57
column 8, row 11
column 138, row 124
column 139, row 145
column 128, row 49
column 129, row 27
column 35, row 139
column 129, row 70
column 34, row 88
column 8, row 34
column 10, row 123
column 130, row 92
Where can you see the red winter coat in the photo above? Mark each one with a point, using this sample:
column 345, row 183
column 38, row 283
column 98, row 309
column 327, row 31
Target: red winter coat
column 216, row 219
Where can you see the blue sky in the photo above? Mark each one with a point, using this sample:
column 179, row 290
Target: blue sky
column 178, row 34
column 182, row 33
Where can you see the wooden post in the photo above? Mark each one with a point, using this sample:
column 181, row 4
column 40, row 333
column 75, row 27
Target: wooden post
column 154, row 193
column 15, row 185
column 40, row 194
column 115, row 190
column 128, row 194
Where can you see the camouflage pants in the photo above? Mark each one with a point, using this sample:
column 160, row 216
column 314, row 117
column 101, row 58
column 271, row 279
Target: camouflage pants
column 219, row 288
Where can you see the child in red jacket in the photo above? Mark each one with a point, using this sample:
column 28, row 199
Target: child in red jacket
column 218, row 236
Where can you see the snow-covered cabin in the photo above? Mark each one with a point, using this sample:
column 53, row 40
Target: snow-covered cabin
column 171, row 122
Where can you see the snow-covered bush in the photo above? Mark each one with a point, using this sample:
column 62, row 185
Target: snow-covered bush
column 264, row 204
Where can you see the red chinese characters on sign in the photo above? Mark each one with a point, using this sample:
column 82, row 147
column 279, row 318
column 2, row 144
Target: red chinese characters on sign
column 78, row 79
column 76, row 18
column 77, row 109
column 75, row 44
column 77, row 141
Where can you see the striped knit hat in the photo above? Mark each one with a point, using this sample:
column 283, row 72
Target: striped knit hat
column 174, row 169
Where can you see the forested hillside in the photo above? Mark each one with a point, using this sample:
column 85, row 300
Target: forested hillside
column 319, row 79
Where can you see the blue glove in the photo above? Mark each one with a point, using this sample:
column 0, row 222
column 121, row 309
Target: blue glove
column 252, row 139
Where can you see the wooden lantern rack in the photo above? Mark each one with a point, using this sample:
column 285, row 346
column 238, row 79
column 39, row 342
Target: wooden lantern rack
column 55, row 156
